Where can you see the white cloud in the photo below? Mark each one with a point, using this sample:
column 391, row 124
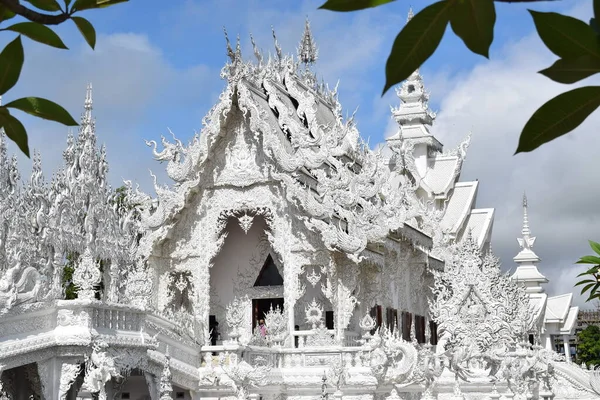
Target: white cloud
column 134, row 87
column 494, row 101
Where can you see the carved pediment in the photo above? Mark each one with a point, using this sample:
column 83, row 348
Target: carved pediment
column 240, row 162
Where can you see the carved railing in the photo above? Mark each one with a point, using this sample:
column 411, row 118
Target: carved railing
column 283, row 357
column 351, row 339
column 116, row 317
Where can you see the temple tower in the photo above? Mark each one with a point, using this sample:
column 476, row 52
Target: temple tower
column 527, row 271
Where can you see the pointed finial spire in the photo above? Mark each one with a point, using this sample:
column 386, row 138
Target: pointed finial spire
column 277, row 47
column 238, row 48
column 307, row 49
column 88, row 105
column 86, row 118
column 525, row 230
column 256, row 50
column 526, row 242
column 230, row 52
column 410, row 14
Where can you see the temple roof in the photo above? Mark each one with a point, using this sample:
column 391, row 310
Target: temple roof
column 439, row 177
column 459, row 206
column 557, row 307
column 568, row 327
column 479, row 223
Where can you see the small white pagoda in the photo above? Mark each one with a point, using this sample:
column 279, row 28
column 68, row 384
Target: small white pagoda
column 554, row 315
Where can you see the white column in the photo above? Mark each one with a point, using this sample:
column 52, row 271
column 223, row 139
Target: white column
column 548, row 344
column 567, row 348
column 49, row 372
column 57, row 377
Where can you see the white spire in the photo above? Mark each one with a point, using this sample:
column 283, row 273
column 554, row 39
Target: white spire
column 527, row 271
column 88, row 104
column 526, row 242
column 307, row 49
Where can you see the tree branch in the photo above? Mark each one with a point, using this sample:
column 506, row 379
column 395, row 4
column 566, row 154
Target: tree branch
column 34, row 16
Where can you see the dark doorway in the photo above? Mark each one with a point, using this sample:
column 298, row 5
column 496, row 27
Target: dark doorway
column 261, row 306
column 269, row 275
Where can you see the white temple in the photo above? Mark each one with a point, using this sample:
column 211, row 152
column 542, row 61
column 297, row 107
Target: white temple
column 286, row 261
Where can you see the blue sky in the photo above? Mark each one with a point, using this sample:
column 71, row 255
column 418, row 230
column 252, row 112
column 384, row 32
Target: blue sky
column 157, row 63
column 188, row 37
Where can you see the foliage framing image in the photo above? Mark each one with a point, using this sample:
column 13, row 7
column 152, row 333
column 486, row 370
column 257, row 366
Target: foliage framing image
column 36, row 18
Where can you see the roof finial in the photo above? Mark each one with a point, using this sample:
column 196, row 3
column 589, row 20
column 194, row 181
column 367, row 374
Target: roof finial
column 88, row 104
column 277, row 47
column 230, row 52
column 410, row 14
column 238, row 48
column 526, row 242
column 307, row 49
column 525, row 230
column 257, row 52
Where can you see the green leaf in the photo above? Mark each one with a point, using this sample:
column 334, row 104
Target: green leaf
column 11, row 63
column 14, row 130
column 589, row 260
column 584, row 281
column 81, row 5
column 572, row 70
column 416, row 42
column 108, row 3
column 593, row 271
column 39, row 33
column 594, row 292
column 86, row 29
column 5, row 13
column 46, row 5
column 473, row 21
column 567, row 37
column 597, row 8
column 586, row 288
column 594, row 25
column 352, row 5
column 595, row 246
column 558, row 116
column 43, row 108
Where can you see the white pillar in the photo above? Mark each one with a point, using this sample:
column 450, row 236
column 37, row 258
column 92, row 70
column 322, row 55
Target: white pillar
column 567, row 348
column 548, row 344
column 57, row 377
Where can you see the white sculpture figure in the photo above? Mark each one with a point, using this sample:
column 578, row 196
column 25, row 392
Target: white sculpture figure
column 314, row 313
column 337, row 374
column 235, row 317
column 276, row 323
column 165, row 388
column 241, row 377
column 367, row 324
column 390, row 357
column 99, row 369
